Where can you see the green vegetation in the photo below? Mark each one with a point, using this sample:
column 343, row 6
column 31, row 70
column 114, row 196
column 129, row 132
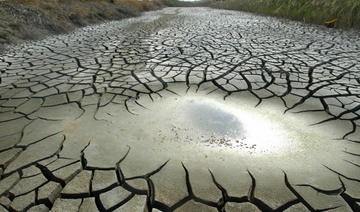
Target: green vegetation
column 312, row 11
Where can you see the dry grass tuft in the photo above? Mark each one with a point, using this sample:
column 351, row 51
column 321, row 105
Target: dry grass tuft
column 144, row 5
column 347, row 12
column 34, row 19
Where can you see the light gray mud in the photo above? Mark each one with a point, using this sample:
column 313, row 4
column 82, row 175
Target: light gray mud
column 182, row 109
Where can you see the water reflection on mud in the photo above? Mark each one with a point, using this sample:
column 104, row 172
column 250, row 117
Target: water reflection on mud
column 214, row 120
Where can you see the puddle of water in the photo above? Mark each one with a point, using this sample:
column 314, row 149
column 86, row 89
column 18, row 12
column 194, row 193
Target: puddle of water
column 212, row 119
column 205, row 121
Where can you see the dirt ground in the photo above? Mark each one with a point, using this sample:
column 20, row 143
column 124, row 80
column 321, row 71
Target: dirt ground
column 34, row 19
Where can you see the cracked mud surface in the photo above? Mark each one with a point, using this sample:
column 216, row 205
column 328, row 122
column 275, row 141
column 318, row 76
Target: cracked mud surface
column 182, row 110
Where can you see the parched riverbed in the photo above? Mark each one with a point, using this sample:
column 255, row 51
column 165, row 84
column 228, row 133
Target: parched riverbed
column 183, row 109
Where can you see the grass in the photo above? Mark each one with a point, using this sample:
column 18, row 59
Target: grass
column 177, row 3
column 46, row 5
column 347, row 12
column 84, row 8
column 144, row 5
column 35, row 19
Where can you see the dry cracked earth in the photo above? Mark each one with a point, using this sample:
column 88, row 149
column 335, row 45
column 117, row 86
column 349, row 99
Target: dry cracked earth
column 182, row 109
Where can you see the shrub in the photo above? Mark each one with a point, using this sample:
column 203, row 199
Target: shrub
column 347, row 12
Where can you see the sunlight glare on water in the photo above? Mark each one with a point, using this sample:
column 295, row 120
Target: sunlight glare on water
column 220, row 124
